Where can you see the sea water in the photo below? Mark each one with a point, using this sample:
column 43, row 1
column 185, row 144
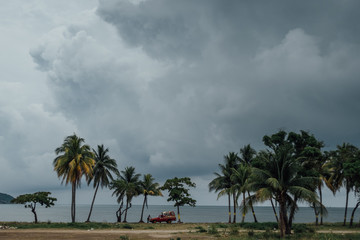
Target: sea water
column 208, row 214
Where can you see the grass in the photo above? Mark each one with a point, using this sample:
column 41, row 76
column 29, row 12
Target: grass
column 214, row 230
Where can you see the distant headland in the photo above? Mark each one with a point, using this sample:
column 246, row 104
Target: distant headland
column 5, row 198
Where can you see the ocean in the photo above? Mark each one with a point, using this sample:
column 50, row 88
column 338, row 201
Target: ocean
column 208, row 214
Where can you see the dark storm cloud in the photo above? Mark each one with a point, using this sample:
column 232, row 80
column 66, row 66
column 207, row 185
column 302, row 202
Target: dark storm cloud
column 181, row 83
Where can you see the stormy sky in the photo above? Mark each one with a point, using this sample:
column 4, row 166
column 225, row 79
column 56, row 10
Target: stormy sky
column 171, row 86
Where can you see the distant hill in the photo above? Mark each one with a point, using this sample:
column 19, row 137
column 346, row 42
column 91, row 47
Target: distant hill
column 5, row 198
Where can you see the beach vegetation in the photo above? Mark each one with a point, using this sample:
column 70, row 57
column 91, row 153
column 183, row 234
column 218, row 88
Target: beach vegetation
column 31, row 200
column 128, row 186
column 148, row 188
column 74, row 160
column 178, row 192
column 104, row 167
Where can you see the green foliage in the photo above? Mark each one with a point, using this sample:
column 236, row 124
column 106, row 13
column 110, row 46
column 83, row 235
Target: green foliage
column 126, row 226
column 30, row 200
column 234, row 230
column 303, row 228
column 124, row 237
column 251, row 233
column 178, row 193
column 200, row 229
column 259, row 226
column 212, row 229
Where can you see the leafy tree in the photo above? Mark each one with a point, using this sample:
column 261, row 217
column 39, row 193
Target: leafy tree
column 149, row 188
column 127, row 185
column 241, row 177
column 30, row 201
column 102, row 171
column 247, row 156
column 280, row 178
column 178, row 192
column 223, row 184
column 74, row 160
column 342, row 168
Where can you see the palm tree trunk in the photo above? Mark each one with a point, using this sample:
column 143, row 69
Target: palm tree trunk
column 316, row 215
column 92, row 203
column 234, row 198
column 229, row 208
column 252, row 207
column 273, row 207
column 282, row 217
column 321, row 207
column 142, row 211
column 292, row 212
column 73, row 192
column 346, row 203
column 243, row 214
column 127, row 205
column 353, row 212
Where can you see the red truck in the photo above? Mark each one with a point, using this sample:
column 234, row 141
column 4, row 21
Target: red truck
column 168, row 217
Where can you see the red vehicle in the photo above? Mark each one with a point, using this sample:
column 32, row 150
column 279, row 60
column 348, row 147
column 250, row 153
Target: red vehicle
column 168, row 217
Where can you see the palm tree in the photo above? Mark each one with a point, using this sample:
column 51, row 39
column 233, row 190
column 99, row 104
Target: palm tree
column 280, row 178
column 343, row 155
column 74, row 160
column 223, row 183
column 148, row 187
column 247, row 155
column 128, row 185
column 241, row 177
column 104, row 166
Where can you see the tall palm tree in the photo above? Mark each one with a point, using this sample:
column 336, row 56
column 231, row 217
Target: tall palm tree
column 128, row 185
column 281, row 179
column 247, row 155
column 223, row 183
column 343, row 155
column 102, row 172
column 74, row 160
column 241, row 179
column 148, row 187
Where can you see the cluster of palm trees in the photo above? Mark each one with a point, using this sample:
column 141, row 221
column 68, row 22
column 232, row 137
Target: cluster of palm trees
column 75, row 159
column 291, row 170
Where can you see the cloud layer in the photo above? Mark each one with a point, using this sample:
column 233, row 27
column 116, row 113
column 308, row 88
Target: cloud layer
column 172, row 86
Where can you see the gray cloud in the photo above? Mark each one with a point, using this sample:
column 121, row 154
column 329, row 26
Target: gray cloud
column 172, row 86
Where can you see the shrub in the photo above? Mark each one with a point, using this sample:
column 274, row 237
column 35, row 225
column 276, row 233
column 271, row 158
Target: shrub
column 200, row 229
column 212, row 229
column 303, row 228
column 251, row 233
column 124, row 237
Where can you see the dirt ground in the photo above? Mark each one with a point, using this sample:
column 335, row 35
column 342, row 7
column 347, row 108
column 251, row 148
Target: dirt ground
column 59, row 234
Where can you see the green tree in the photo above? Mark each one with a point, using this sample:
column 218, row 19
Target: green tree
column 341, row 164
column 178, row 192
column 247, row 156
column 30, row 201
column 102, row 171
column 223, row 184
column 148, row 188
column 127, row 185
column 241, row 179
column 74, row 160
column 280, row 178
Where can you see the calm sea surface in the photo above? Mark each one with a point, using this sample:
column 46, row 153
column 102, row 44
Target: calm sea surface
column 106, row 213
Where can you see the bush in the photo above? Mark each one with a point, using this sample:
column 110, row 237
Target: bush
column 127, row 226
column 200, row 229
column 212, row 229
column 234, row 230
column 251, row 233
column 259, row 226
column 303, row 228
column 124, row 237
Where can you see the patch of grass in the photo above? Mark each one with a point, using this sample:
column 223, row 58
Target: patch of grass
column 124, row 237
column 258, row 225
column 303, row 228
